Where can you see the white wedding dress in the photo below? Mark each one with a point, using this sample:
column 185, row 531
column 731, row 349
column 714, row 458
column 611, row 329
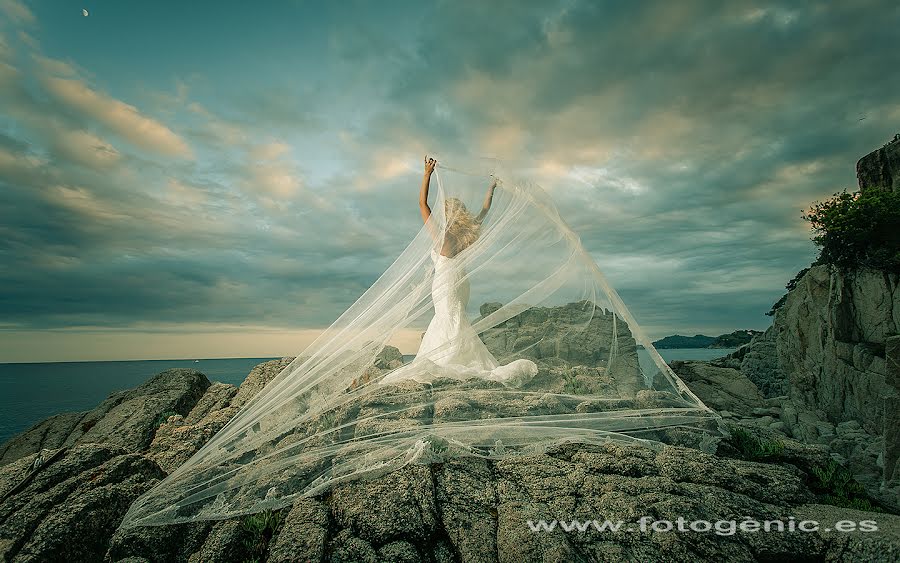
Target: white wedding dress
column 450, row 346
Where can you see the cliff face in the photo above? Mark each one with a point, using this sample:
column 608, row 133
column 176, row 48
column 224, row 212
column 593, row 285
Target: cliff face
column 826, row 346
column 830, row 343
column 881, row 167
column 829, row 357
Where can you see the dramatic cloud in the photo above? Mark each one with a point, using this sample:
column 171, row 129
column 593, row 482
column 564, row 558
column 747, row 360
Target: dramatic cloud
column 119, row 117
column 260, row 168
column 16, row 11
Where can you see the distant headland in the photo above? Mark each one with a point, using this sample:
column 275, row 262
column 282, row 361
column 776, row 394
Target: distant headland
column 734, row 339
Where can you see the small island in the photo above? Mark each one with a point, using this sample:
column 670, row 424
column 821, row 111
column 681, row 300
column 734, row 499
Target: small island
column 734, row 339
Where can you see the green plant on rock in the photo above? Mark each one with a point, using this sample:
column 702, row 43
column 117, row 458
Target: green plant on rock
column 835, row 485
column 575, row 386
column 259, row 529
column 439, row 444
column 858, row 229
column 754, row 448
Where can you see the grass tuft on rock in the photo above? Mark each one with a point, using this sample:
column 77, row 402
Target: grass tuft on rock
column 259, row 529
column 835, row 485
column 755, row 449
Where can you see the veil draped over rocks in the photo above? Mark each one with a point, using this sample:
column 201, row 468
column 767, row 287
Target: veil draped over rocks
column 535, row 296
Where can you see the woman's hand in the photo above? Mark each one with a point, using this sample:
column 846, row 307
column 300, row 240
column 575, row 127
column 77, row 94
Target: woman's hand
column 494, row 182
column 430, row 163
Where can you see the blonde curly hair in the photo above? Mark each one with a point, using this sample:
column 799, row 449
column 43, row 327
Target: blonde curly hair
column 463, row 228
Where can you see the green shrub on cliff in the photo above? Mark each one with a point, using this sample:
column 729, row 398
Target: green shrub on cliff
column 859, row 229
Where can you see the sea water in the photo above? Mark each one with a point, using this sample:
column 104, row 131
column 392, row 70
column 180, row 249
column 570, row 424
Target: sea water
column 31, row 392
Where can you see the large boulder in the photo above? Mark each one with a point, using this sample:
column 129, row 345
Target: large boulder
column 132, row 423
column 304, row 534
column 575, row 334
column 127, row 419
column 389, row 358
column 70, row 509
column 179, row 437
column 258, row 378
column 722, row 389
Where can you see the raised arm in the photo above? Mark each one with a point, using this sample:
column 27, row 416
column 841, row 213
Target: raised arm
column 426, row 183
column 487, row 201
column 430, row 163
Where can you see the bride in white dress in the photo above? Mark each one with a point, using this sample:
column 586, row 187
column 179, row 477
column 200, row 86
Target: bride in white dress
column 450, row 346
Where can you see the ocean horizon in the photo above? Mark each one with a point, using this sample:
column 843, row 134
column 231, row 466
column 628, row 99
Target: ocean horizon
column 33, row 391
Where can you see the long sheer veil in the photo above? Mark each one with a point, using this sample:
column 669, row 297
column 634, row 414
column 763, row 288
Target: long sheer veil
column 535, row 294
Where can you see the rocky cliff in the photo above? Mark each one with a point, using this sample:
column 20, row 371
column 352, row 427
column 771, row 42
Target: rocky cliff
column 881, row 168
column 827, row 367
column 824, row 359
column 826, row 346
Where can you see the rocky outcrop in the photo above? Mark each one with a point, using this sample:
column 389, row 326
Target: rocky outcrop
column 69, row 499
column 759, row 362
column 258, row 377
column 464, row 509
column 720, row 388
column 881, row 168
column 389, row 358
column 470, row 509
column 845, row 443
column 576, row 334
column 822, row 364
column 179, row 437
column 128, row 419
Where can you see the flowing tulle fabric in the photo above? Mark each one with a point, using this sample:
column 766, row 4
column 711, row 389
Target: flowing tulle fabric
column 526, row 347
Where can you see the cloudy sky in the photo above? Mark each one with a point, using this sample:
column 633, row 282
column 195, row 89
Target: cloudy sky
column 216, row 179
